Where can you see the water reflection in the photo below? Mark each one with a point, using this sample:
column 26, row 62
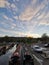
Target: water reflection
column 5, row 58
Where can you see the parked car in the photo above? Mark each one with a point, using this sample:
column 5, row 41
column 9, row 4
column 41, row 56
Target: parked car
column 38, row 49
column 46, row 45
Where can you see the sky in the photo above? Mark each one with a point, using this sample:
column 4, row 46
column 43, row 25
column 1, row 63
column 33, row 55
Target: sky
column 21, row 18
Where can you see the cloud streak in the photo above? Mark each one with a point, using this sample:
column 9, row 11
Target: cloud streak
column 16, row 33
column 23, row 20
column 2, row 3
column 33, row 10
column 7, row 18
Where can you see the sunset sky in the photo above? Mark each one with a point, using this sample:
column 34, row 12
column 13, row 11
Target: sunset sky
column 21, row 18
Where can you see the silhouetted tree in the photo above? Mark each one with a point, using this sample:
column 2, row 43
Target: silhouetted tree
column 45, row 38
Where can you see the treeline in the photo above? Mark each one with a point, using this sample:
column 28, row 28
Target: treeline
column 17, row 39
column 44, row 38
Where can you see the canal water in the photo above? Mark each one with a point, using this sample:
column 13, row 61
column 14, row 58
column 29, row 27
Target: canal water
column 4, row 59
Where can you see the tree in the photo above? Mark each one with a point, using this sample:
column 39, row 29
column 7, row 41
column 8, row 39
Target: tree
column 45, row 38
column 6, row 38
column 44, row 35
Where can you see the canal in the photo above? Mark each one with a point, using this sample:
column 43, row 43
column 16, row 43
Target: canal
column 4, row 59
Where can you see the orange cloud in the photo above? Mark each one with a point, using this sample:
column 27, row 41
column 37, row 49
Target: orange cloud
column 2, row 3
